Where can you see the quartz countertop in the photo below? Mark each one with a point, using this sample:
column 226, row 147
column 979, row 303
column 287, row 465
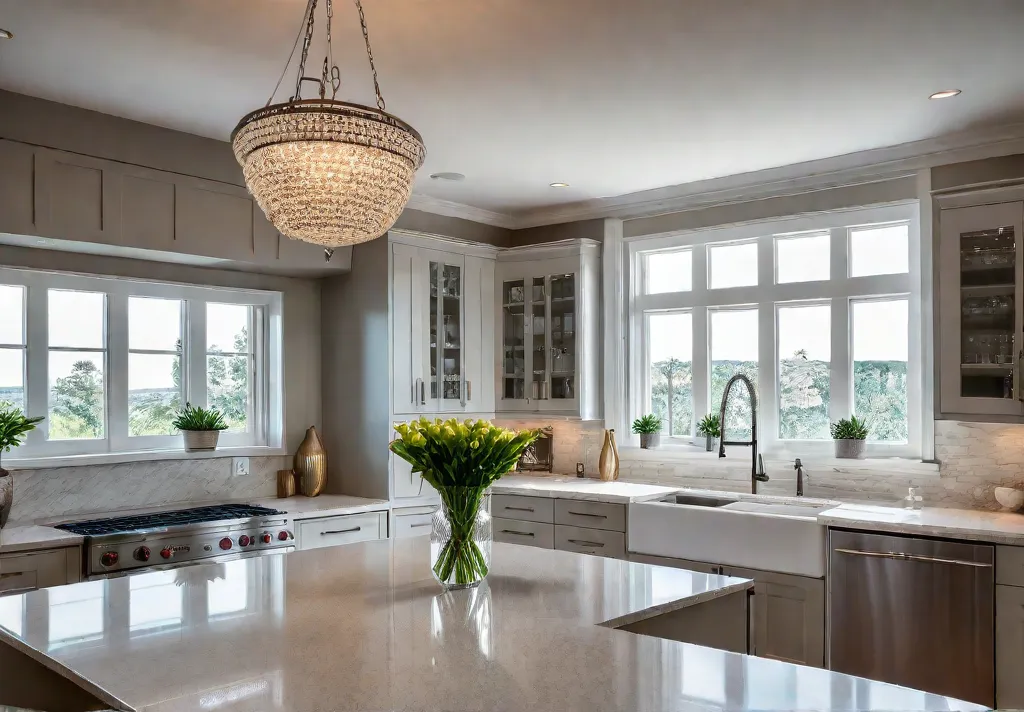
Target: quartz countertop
column 325, row 505
column 969, row 524
column 581, row 488
column 33, row 537
column 365, row 627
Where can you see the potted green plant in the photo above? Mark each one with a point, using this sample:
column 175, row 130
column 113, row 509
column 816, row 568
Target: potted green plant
column 200, row 427
column 711, row 428
column 648, row 428
column 849, row 435
column 13, row 427
column 460, row 461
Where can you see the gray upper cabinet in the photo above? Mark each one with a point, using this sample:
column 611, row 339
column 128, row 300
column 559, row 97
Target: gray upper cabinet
column 67, row 196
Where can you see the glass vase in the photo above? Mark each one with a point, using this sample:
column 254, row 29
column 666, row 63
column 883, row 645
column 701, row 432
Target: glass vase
column 460, row 537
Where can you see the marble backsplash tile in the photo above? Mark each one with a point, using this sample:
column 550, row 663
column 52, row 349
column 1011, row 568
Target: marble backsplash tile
column 974, row 458
column 59, row 492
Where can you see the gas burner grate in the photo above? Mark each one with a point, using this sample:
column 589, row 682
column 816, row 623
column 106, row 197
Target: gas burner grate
column 161, row 520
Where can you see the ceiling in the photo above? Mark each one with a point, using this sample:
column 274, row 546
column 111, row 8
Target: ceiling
column 610, row 96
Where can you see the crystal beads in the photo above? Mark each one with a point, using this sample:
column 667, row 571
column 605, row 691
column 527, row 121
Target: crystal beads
column 328, row 172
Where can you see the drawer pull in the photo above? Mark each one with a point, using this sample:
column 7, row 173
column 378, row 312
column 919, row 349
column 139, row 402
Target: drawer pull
column 588, row 514
column 509, row 531
column 421, row 524
column 583, row 542
column 12, row 574
column 341, row 531
column 519, row 509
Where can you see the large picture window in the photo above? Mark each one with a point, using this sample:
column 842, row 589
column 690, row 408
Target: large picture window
column 822, row 313
column 108, row 362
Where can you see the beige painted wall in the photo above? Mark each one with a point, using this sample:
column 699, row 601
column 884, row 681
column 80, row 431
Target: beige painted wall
column 301, row 315
column 975, row 172
column 581, row 229
column 460, row 229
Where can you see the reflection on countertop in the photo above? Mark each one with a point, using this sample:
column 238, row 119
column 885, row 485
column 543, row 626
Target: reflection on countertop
column 365, row 626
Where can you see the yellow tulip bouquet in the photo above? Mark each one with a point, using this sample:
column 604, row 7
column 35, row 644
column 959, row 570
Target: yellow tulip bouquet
column 460, row 460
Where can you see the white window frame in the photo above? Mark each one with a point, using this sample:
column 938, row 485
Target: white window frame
column 839, row 291
column 267, row 422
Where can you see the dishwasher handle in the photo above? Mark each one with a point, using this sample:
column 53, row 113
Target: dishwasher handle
column 913, row 557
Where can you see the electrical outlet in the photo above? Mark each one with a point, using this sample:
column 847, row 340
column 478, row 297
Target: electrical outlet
column 579, row 470
column 239, row 466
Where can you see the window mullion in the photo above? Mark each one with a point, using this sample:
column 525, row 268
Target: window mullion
column 701, row 364
column 36, row 362
column 841, row 368
column 117, row 371
column 194, row 353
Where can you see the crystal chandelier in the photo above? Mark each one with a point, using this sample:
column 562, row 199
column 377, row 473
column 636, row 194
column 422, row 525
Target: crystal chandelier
column 325, row 171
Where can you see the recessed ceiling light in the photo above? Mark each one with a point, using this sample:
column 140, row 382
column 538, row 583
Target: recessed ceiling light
column 6, row 34
column 447, row 175
column 944, row 94
column 559, row 185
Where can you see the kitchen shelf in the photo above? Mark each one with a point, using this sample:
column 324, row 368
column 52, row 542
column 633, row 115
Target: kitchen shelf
column 984, row 290
column 983, row 369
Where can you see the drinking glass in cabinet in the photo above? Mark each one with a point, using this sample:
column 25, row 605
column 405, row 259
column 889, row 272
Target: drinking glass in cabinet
column 538, row 290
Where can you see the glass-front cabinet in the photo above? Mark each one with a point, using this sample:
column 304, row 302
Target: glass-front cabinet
column 543, row 306
column 981, row 275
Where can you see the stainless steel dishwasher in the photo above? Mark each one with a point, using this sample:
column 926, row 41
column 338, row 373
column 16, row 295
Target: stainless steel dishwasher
column 914, row 612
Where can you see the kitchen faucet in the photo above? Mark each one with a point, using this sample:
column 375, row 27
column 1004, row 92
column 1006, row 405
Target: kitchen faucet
column 799, row 467
column 757, row 473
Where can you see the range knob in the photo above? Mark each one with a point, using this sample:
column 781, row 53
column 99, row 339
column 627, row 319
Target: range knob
column 108, row 558
column 284, row 536
column 266, row 538
column 167, row 552
column 142, row 553
column 244, row 540
column 226, row 543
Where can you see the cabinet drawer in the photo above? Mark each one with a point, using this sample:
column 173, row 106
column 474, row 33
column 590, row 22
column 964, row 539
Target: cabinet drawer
column 512, row 531
column 409, row 525
column 26, row 572
column 590, row 541
column 591, row 515
column 1010, row 565
column 346, row 529
column 525, row 509
column 1009, row 647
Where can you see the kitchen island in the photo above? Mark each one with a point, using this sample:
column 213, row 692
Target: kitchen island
column 365, row 626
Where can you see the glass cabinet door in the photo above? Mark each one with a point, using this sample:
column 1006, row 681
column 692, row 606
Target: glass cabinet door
column 446, row 332
column 563, row 336
column 989, row 333
column 538, row 339
column 513, row 340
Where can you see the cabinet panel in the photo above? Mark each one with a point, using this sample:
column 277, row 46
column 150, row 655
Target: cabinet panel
column 513, row 531
column 215, row 221
column 405, row 482
column 1009, row 647
column 410, row 524
column 346, row 529
column 17, row 189
column 77, row 197
column 1010, row 565
column 26, row 572
column 980, row 312
column 600, row 542
column 406, row 322
column 529, row 509
column 593, row 515
column 479, row 335
column 147, row 212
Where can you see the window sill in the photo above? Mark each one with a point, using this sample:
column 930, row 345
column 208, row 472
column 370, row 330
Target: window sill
column 811, row 462
column 109, row 458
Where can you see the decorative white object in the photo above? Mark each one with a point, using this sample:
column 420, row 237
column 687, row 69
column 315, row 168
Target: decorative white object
column 1010, row 498
column 325, row 171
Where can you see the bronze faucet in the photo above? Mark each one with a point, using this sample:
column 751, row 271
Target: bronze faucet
column 757, row 473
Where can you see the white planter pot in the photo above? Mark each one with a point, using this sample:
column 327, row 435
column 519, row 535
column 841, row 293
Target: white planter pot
column 850, row 449
column 200, row 440
column 710, row 443
column 649, row 441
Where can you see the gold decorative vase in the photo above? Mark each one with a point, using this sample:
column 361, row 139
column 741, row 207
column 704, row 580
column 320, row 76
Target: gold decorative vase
column 608, row 463
column 311, row 464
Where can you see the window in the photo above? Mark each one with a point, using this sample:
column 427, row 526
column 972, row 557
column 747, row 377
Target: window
column 836, row 332
column 109, row 361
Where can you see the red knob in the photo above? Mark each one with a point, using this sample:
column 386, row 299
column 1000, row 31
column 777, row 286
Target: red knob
column 225, row 543
column 267, row 538
column 108, row 558
column 284, row 536
column 142, row 553
column 244, row 540
column 167, row 552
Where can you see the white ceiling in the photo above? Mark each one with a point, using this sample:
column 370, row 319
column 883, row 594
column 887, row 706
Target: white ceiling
column 611, row 96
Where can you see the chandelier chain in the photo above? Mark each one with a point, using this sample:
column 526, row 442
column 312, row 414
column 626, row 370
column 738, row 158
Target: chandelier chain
column 305, row 47
column 295, row 44
column 369, row 54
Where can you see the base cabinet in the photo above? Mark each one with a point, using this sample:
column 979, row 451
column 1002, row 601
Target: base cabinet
column 344, row 529
column 411, row 521
column 20, row 573
column 1009, row 647
column 596, row 528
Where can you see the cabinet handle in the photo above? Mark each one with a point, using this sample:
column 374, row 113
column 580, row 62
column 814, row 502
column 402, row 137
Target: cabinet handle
column 1018, row 392
column 416, row 390
column 519, row 509
column 341, row 531
column 588, row 514
column 583, row 542
column 11, row 574
column 469, row 390
column 509, row 531
column 421, row 524
column 914, row 557
column 15, row 591
column 423, row 392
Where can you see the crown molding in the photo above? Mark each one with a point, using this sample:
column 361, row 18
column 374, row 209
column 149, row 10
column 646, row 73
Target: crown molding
column 451, row 209
column 850, row 169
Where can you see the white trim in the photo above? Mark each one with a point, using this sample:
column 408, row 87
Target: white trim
column 451, row 209
column 111, row 458
column 442, row 243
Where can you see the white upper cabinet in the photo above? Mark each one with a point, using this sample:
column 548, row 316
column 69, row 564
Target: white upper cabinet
column 547, row 314
column 981, row 318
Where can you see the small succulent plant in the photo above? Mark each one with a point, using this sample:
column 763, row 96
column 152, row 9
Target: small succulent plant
column 195, row 418
column 849, row 429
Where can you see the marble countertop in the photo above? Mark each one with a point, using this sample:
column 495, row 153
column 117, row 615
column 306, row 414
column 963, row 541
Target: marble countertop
column 325, row 505
column 365, row 627
column 969, row 524
column 581, row 488
column 32, row 537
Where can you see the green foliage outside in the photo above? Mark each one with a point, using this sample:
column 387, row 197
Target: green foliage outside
column 76, row 403
column 227, row 384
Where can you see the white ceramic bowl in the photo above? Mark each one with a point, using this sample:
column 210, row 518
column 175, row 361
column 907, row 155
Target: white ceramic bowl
column 1010, row 497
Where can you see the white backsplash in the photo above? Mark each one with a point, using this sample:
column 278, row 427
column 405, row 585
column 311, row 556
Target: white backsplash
column 974, row 458
column 61, row 492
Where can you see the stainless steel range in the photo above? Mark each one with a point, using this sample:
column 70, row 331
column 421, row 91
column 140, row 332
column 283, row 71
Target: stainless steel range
column 162, row 540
